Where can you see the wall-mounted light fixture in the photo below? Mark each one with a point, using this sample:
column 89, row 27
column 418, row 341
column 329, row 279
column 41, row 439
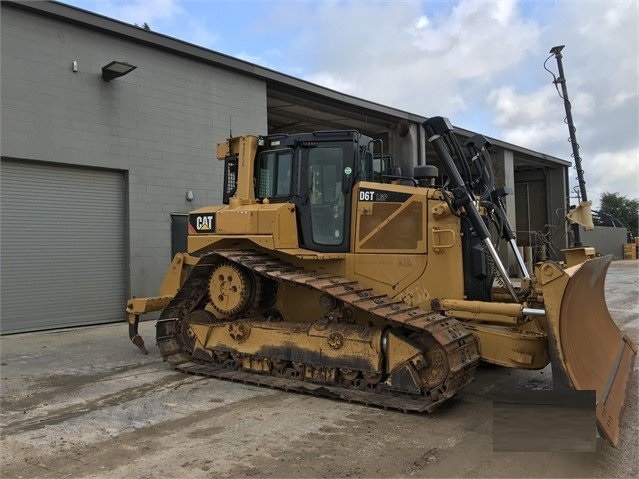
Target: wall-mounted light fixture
column 116, row 70
column 189, row 195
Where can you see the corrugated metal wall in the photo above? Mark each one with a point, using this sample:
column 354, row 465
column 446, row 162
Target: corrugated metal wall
column 531, row 210
column 62, row 245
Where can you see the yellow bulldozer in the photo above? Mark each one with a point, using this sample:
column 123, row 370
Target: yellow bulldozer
column 326, row 272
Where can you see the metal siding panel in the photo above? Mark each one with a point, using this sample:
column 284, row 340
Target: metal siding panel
column 63, row 246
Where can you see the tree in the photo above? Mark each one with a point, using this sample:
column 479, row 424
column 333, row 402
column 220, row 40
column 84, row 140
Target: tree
column 144, row 27
column 623, row 209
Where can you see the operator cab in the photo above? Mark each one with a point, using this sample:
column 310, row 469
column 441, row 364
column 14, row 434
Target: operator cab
column 316, row 172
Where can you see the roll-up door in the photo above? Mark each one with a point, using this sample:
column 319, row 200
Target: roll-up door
column 62, row 244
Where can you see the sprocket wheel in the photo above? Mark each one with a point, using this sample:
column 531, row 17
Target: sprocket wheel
column 232, row 289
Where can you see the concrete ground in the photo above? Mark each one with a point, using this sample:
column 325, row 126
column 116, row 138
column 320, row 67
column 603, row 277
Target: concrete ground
column 86, row 403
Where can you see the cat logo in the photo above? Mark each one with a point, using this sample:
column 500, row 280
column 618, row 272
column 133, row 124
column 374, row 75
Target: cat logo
column 204, row 223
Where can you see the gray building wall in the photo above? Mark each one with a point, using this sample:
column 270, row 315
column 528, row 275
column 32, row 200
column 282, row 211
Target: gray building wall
column 160, row 123
column 606, row 240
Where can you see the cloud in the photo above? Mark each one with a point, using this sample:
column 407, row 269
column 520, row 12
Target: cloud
column 418, row 57
column 601, row 72
column 480, row 63
column 162, row 16
column 139, row 11
column 613, row 172
column 534, row 118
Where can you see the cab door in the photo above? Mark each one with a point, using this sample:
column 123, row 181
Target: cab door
column 325, row 180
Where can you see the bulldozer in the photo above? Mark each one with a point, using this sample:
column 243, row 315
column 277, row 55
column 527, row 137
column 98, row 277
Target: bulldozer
column 325, row 271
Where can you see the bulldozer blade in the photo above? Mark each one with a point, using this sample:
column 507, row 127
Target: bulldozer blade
column 587, row 349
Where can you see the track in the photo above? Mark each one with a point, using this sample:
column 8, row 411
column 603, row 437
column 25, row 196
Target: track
column 459, row 344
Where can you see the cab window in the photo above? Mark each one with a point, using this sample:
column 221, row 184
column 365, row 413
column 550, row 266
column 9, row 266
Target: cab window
column 273, row 174
column 326, row 199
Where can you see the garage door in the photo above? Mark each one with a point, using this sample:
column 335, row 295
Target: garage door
column 62, row 244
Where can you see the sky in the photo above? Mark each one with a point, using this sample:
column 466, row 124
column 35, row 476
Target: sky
column 479, row 63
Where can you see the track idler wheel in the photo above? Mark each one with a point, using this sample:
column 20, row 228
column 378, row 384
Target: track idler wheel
column 434, row 372
column 232, row 289
column 425, row 363
column 372, row 378
column 349, row 374
column 199, row 316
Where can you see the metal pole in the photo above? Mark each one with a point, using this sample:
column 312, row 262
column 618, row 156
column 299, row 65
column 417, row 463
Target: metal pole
column 571, row 130
column 571, row 126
